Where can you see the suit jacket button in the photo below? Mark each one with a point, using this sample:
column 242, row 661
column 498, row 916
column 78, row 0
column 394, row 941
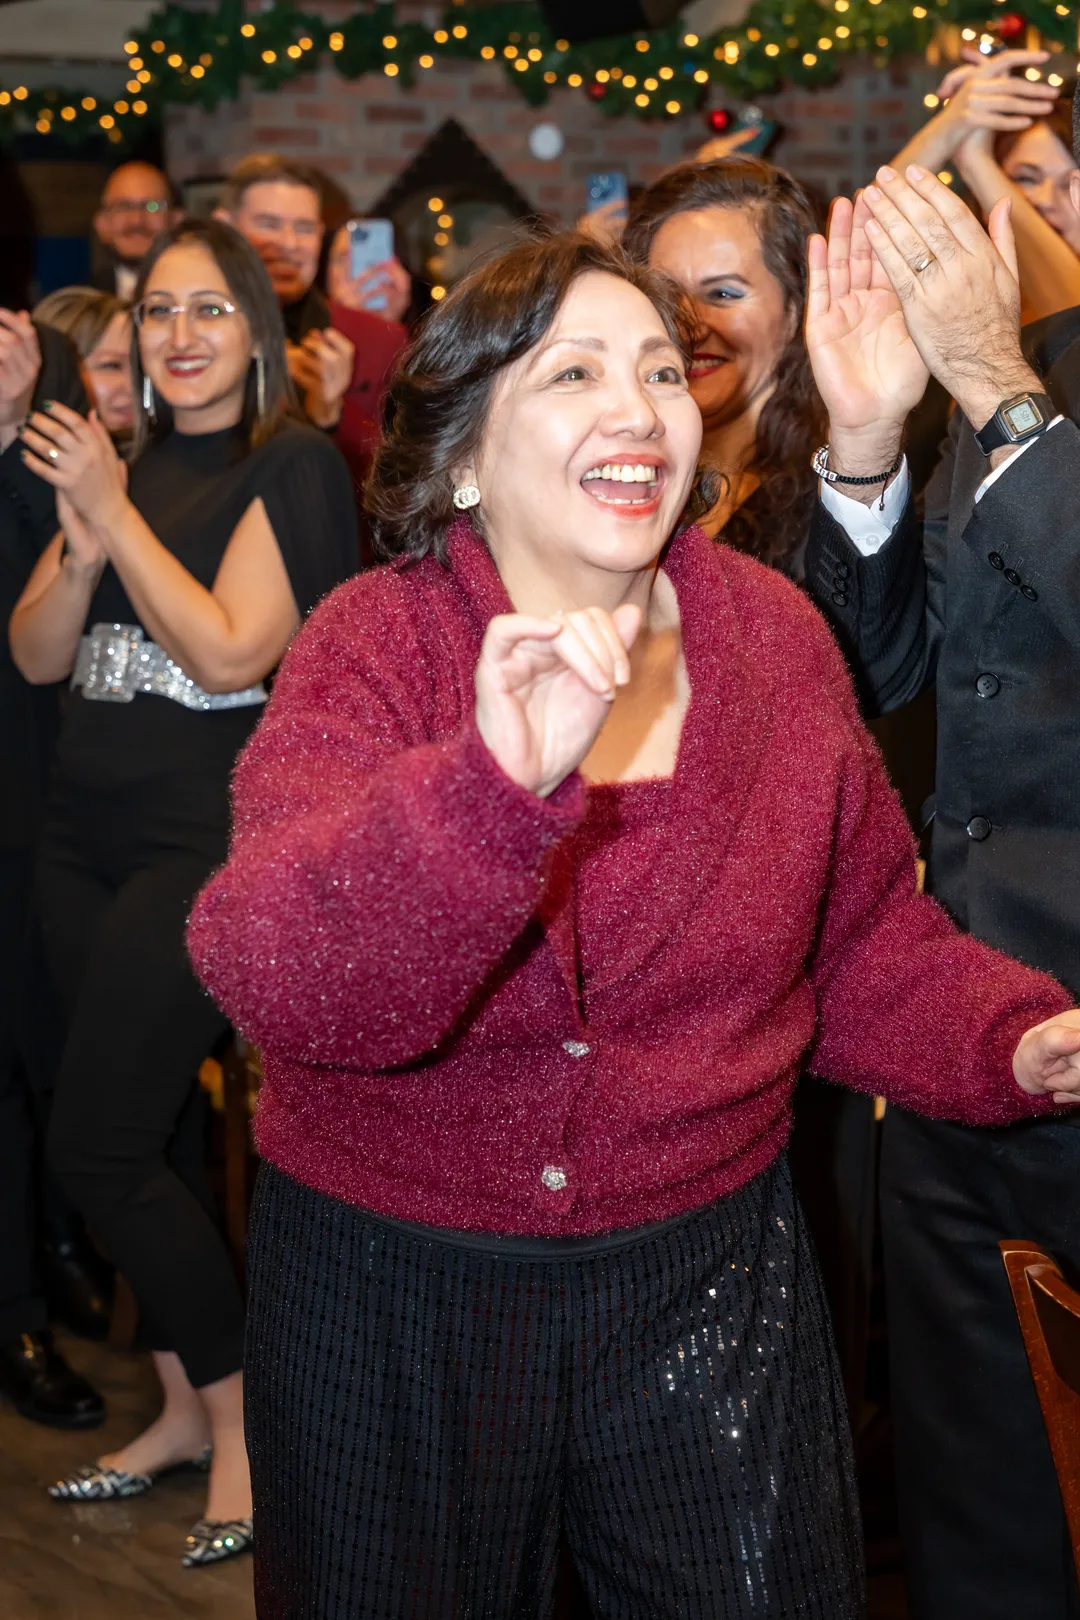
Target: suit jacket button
column 988, row 686
column 1032, row 595
column 978, row 828
column 1012, row 576
column 840, row 598
column 843, row 569
column 996, row 560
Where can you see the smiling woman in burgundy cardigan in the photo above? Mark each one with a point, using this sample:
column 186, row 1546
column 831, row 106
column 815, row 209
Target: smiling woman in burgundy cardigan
column 560, row 851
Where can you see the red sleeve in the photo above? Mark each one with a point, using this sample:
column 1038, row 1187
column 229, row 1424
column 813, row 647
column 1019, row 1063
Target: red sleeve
column 378, row 345
column 375, row 877
column 907, row 1005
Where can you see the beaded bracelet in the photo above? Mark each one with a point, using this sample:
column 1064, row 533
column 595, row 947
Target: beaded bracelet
column 823, row 470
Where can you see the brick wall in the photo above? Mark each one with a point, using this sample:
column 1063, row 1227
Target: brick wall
column 364, row 132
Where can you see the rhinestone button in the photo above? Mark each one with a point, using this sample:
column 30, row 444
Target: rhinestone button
column 576, row 1048
column 553, row 1177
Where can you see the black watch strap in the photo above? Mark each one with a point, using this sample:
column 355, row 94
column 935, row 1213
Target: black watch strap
column 1017, row 420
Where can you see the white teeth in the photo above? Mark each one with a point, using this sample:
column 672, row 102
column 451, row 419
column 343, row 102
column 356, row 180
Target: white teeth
column 623, row 472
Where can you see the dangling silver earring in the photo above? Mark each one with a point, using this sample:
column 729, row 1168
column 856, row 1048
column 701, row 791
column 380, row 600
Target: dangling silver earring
column 260, row 386
column 465, row 496
column 148, row 398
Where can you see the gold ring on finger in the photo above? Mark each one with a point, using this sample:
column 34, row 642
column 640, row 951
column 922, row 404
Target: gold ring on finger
column 924, row 263
column 52, row 452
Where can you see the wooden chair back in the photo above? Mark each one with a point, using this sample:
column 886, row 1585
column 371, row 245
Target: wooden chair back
column 1049, row 1312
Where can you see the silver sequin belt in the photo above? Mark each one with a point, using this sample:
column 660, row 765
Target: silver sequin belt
column 116, row 660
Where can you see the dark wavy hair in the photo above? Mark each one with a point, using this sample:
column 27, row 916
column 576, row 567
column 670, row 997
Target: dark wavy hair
column 773, row 523
column 437, row 404
column 246, row 279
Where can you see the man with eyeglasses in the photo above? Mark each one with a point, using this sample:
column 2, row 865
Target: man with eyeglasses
column 339, row 359
column 136, row 206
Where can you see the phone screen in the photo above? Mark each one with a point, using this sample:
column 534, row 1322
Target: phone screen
column 605, row 188
column 371, row 242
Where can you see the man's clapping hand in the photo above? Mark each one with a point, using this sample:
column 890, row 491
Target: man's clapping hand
column 322, row 368
column 544, row 688
column 957, row 284
column 868, row 371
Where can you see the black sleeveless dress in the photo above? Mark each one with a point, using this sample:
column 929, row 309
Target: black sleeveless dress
column 136, row 820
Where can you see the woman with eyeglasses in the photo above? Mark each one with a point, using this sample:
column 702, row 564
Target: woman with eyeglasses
column 168, row 598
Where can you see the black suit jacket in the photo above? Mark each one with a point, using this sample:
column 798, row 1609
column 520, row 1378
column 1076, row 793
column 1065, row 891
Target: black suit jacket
column 984, row 602
column 28, row 714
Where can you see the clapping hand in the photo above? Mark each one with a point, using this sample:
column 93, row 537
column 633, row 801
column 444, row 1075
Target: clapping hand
column 867, row 369
column 20, row 362
column 1047, row 1060
column 75, row 455
column 958, row 287
column 544, row 688
column 865, row 364
column 322, row 368
column 985, row 96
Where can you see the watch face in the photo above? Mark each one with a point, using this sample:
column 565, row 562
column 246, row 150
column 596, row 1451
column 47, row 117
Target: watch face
column 1022, row 417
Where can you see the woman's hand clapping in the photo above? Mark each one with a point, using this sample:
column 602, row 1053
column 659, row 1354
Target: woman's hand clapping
column 985, row 95
column 544, row 688
column 1047, row 1060
column 75, row 455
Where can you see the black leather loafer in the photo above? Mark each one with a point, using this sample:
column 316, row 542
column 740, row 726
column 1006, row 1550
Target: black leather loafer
column 41, row 1386
column 78, row 1287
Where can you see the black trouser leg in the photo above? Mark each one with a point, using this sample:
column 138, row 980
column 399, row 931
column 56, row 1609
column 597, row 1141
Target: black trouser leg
column 833, row 1157
column 421, row 1419
column 22, row 1304
column 139, row 1027
column 982, row 1523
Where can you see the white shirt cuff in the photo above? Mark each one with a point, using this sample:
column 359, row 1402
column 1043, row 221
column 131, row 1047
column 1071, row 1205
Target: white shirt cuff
column 992, row 478
column 868, row 527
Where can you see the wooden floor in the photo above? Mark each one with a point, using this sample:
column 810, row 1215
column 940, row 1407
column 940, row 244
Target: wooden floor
column 107, row 1560
column 121, row 1560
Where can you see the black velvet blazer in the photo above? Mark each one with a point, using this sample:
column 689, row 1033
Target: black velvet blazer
column 984, row 601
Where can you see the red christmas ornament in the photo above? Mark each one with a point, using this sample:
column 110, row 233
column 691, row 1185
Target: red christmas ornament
column 1011, row 26
column 596, row 92
column 718, row 120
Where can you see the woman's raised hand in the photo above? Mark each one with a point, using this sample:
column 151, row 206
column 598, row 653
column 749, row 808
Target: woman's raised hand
column 1047, row 1060
column 867, row 369
column 75, row 455
column 987, row 95
column 544, row 688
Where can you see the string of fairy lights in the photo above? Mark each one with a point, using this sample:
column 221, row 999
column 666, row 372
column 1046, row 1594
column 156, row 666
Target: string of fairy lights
column 200, row 58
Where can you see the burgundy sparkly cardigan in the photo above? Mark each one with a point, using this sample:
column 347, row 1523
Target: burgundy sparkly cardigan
column 395, row 926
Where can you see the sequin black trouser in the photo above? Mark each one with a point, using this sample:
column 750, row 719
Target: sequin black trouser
column 426, row 1419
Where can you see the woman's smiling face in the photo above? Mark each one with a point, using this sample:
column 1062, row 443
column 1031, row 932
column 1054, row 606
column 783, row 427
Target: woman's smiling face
column 743, row 324
column 591, row 440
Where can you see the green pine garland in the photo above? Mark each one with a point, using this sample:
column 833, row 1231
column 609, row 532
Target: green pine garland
column 200, row 58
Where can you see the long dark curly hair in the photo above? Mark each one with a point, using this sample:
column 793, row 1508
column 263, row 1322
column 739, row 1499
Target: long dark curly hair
column 772, row 524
